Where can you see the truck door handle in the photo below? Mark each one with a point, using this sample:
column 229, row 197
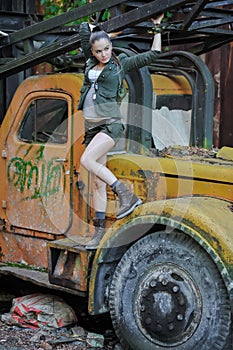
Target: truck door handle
column 61, row 160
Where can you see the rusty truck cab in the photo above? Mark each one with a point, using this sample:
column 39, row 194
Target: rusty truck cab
column 47, row 201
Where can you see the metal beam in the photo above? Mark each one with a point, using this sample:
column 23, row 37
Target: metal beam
column 61, row 46
column 213, row 17
column 199, row 25
column 141, row 14
column 196, row 10
column 212, row 31
column 220, row 3
column 58, row 21
column 39, row 56
column 212, row 44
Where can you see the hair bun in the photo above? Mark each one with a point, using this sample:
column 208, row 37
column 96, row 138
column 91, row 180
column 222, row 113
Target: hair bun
column 96, row 29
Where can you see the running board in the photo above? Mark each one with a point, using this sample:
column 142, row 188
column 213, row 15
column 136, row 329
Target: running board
column 36, row 277
column 68, row 263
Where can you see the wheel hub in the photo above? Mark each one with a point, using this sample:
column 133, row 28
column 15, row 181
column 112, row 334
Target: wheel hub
column 168, row 305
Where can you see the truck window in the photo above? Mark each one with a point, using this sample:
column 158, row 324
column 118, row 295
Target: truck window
column 45, row 120
column 172, row 110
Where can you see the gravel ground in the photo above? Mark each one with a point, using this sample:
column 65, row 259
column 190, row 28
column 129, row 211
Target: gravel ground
column 15, row 338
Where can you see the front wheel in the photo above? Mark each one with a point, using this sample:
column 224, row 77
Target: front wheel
column 167, row 293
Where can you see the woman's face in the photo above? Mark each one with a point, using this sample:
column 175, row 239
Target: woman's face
column 102, row 50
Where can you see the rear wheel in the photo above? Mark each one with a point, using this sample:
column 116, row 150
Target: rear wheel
column 167, row 293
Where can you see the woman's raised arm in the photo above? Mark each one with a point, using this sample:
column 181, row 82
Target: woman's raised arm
column 157, row 43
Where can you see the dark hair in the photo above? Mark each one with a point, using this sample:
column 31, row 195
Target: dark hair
column 97, row 34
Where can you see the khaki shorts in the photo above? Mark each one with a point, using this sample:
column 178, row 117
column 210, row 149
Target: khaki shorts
column 114, row 130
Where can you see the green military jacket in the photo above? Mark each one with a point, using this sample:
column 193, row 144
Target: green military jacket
column 108, row 81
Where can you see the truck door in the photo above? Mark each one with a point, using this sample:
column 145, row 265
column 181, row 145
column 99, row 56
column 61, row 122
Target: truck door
column 38, row 163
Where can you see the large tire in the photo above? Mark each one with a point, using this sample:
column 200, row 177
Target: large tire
column 167, row 293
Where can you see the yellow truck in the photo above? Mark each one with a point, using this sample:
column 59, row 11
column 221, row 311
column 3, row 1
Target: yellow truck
column 164, row 274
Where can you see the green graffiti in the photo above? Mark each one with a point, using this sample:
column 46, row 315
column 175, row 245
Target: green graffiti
column 40, row 178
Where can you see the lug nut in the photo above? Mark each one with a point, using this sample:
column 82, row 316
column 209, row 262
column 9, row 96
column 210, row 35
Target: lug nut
column 180, row 317
column 175, row 289
column 161, row 277
column 153, row 283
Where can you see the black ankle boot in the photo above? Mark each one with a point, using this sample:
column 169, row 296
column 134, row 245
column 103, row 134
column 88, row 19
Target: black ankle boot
column 128, row 200
column 98, row 235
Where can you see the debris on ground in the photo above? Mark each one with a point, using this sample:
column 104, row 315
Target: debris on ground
column 37, row 311
column 22, row 334
column 186, row 151
column 95, row 340
column 16, row 338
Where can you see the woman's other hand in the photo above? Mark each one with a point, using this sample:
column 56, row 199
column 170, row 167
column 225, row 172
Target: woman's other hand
column 158, row 19
column 157, row 45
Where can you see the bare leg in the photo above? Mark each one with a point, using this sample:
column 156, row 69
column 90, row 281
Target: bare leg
column 91, row 159
column 99, row 190
column 99, row 146
column 94, row 160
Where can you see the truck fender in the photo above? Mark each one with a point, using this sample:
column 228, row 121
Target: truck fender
column 207, row 220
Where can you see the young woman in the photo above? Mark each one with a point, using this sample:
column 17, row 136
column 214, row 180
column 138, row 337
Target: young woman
column 103, row 125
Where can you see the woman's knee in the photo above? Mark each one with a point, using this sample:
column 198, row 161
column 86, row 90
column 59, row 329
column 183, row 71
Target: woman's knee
column 84, row 161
